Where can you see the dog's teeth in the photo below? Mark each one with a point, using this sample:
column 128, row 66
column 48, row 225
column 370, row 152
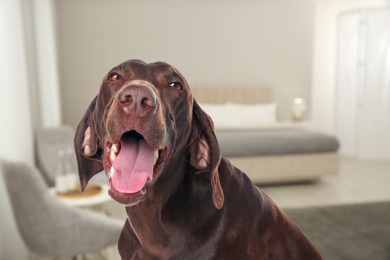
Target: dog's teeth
column 155, row 156
column 114, row 148
column 112, row 156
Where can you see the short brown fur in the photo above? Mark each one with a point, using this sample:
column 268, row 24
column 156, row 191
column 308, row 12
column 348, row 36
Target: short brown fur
column 198, row 206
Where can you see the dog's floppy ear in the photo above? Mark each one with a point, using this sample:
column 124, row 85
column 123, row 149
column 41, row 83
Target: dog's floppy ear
column 204, row 152
column 86, row 147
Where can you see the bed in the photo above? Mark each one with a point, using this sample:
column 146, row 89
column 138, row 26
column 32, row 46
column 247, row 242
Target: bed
column 252, row 138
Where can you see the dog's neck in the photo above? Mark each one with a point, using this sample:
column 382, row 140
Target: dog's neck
column 155, row 219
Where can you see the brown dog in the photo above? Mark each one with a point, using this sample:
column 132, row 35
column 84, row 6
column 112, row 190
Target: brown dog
column 162, row 159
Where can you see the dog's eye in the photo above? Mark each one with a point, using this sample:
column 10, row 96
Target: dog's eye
column 175, row 85
column 114, row 76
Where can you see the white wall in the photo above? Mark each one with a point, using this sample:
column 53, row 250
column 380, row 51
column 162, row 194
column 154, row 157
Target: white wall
column 219, row 42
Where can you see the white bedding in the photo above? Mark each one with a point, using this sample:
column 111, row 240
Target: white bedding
column 236, row 116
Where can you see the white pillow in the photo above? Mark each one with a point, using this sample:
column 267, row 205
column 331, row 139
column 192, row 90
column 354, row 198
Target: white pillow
column 256, row 115
column 232, row 115
column 223, row 115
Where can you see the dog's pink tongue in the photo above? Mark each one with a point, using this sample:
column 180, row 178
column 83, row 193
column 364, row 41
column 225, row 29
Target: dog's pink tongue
column 133, row 166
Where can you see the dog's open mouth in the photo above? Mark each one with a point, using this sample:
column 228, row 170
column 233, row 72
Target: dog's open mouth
column 131, row 163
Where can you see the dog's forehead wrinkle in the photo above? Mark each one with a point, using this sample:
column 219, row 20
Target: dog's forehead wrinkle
column 158, row 73
column 130, row 68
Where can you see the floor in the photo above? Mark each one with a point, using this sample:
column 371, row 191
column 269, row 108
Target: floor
column 358, row 181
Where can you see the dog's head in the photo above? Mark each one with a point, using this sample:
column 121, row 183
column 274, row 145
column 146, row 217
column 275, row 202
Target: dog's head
column 142, row 117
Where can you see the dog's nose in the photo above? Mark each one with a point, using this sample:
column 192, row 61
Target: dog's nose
column 138, row 100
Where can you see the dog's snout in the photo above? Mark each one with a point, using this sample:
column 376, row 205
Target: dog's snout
column 138, row 100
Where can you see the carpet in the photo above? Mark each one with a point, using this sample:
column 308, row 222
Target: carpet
column 357, row 231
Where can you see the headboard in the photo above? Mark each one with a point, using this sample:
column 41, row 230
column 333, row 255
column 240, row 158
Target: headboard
column 232, row 94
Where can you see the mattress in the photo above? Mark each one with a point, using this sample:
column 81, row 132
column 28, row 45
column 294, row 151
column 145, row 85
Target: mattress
column 255, row 142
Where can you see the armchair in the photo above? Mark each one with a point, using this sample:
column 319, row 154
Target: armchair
column 49, row 227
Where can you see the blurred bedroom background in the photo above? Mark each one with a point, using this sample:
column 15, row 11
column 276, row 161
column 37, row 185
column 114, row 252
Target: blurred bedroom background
column 332, row 56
